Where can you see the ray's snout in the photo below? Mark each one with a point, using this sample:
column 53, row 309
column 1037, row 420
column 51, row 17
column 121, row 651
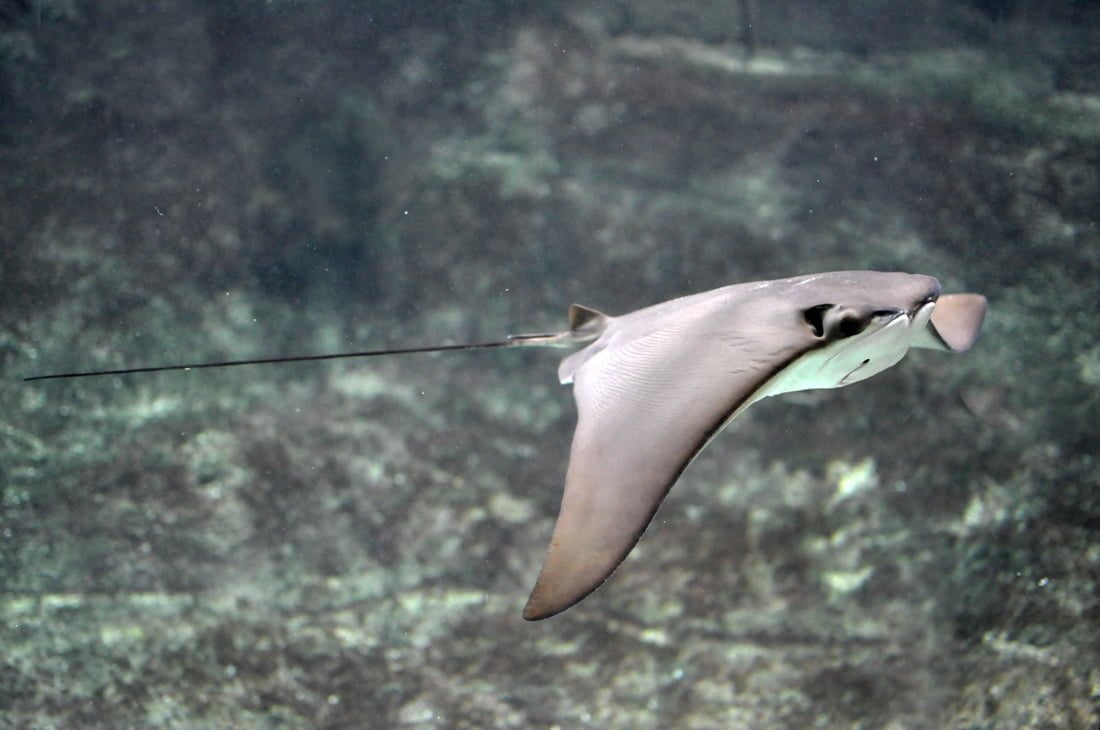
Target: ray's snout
column 929, row 296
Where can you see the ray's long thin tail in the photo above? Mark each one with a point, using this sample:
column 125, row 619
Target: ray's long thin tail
column 584, row 325
column 518, row 342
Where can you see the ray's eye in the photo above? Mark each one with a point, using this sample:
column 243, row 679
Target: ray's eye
column 848, row 326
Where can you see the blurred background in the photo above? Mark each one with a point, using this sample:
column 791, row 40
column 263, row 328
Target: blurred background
column 350, row 544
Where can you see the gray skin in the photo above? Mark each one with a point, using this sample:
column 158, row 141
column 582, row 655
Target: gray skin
column 656, row 385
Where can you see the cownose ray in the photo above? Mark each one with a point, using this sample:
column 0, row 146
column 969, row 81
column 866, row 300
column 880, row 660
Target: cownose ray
column 654, row 386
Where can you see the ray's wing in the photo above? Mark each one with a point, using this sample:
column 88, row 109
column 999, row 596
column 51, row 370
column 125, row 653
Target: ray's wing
column 645, row 407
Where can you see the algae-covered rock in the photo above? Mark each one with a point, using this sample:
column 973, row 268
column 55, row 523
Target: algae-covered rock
column 350, row 544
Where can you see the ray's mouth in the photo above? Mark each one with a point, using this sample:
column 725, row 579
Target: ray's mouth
column 891, row 314
column 929, row 298
column 928, row 303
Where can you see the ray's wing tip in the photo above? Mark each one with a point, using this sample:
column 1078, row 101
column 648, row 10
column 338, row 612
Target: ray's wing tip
column 539, row 606
column 550, row 597
column 532, row 613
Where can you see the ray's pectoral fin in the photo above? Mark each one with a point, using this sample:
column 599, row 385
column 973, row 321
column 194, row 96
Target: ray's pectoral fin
column 645, row 409
column 605, row 508
column 955, row 322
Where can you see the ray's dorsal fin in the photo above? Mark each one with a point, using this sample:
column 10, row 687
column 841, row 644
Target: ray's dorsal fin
column 586, row 322
column 585, row 325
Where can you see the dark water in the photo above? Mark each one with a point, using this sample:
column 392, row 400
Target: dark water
column 351, row 544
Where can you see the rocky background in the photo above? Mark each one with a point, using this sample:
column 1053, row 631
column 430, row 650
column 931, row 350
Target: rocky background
column 350, row 544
